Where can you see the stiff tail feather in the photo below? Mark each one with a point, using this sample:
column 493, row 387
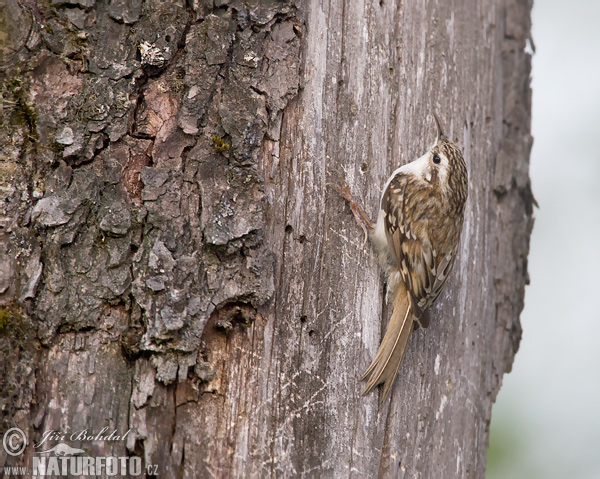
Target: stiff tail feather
column 391, row 352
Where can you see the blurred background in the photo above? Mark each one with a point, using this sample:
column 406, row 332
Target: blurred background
column 546, row 420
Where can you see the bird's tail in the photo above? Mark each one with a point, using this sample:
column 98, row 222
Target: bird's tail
column 385, row 366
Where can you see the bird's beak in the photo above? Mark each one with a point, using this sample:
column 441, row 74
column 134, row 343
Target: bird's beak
column 440, row 132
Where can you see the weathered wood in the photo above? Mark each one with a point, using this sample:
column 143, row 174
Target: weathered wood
column 175, row 264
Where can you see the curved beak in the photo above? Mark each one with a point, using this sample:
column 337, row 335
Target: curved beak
column 440, row 132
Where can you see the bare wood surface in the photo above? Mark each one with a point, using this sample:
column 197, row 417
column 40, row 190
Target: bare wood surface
column 174, row 264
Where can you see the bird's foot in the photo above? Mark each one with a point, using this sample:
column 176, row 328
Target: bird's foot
column 343, row 189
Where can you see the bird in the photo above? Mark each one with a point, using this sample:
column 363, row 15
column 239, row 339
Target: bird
column 416, row 239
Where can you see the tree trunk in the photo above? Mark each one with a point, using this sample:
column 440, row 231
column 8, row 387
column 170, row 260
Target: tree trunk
column 176, row 268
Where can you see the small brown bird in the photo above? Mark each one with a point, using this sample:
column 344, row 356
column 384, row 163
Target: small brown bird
column 416, row 237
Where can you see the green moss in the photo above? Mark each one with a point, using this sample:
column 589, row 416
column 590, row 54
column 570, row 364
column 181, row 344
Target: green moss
column 178, row 80
column 9, row 314
column 16, row 325
column 219, row 144
column 23, row 113
column 4, row 318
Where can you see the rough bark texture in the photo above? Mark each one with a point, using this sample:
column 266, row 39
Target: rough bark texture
column 173, row 261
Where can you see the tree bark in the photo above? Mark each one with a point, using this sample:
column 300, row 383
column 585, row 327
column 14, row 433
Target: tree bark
column 176, row 268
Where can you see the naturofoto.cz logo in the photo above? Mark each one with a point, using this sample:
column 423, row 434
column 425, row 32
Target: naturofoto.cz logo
column 64, row 460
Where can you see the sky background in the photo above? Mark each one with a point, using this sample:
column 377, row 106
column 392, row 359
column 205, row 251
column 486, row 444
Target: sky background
column 546, row 421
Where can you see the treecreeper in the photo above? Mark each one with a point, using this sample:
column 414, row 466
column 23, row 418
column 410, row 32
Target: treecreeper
column 416, row 239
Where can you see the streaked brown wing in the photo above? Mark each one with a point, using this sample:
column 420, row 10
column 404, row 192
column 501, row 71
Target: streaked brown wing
column 443, row 268
column 424, row 273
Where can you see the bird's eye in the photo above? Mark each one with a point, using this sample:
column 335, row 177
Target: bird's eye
column 436, row 159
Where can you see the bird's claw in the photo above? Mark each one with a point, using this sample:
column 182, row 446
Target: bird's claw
column 343, row 189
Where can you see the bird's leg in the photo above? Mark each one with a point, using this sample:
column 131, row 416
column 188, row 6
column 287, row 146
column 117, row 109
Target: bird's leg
column 362, row 220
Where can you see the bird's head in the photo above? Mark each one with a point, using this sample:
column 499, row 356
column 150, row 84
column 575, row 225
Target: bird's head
column 445, row 162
